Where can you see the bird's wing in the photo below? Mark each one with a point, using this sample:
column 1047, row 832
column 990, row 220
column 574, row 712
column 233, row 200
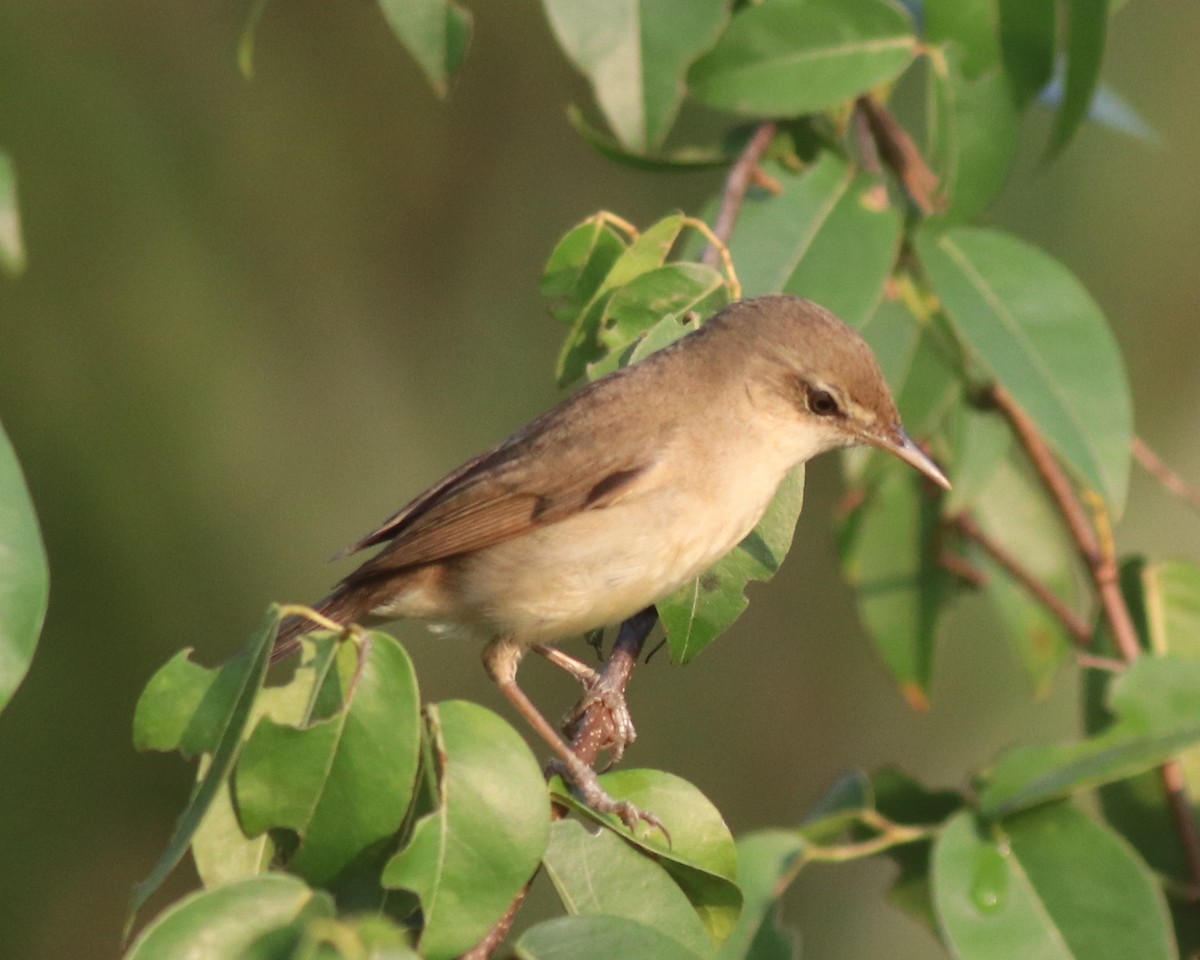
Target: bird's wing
column 544, row 474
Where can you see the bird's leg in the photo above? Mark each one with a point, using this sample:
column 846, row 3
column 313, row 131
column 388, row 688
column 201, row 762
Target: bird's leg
column 598, row 689
column 500, row 659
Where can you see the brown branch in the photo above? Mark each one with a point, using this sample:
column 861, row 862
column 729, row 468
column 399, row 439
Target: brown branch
column 1079, row 629
column 744, row 171
column 898, row 151
column 1098, row 554
column 593, row 732
column 1164, row 474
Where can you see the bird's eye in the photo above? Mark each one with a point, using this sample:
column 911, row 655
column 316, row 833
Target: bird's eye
column 821, row 403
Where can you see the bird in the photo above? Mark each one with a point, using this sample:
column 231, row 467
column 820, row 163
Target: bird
column 624, row 491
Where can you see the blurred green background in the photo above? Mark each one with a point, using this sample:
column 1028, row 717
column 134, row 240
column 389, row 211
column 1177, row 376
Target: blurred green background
column 261, row 315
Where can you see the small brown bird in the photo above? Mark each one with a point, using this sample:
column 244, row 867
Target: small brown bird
column 622, row 493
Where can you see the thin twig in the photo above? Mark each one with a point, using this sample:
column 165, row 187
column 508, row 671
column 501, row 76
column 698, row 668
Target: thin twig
column 593, row 732
column 899, row 152
column 736, row 184
column 1164, row 474
column 1101, row 560
column 1080, row 629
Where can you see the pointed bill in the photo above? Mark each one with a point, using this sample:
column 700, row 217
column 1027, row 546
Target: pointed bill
column 903, row 446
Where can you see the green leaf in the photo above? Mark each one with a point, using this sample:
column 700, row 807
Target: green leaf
column 648, row 252
column 679, row 159
column 701, row 857
column 24, row 575
column 1051, row 883
column 970, row 25
column 1027, row 46
column 698, row 612
column 1040, row 334
column 1014, row 513
column 830, row 236
column 982, row 441
column 674, row 289
column 1172, row 596
column 435, row 32
column 468, row 858
column 343, row 778
column 363, row 936
column 889, row 549
column 765, row 860
column 1087, row 25
column 788, row 57
column 231, row 712
column 601, row 874
column 635, row 55
column 220, row 924
column 600, row 938
column 578, row 266
column 1157, row 705
column 972, row 134
column 903, row 800
column 12, row 246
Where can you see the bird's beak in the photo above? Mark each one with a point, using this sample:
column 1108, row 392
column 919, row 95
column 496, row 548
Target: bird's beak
column 903, row 446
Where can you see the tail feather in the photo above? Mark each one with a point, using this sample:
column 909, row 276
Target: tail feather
column 344, row 606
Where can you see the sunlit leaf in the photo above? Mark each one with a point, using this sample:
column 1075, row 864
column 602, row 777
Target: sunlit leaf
column 789, row 57
column 701, row 856
column 1050, row 883
column 228, row 703
column 600, row 938
column 343, row 778
column 1041, row 335
column 635, row 54
column 578, row 265
column 468, row 858
column 600, row 874
column 831, row 236
column 24, row 575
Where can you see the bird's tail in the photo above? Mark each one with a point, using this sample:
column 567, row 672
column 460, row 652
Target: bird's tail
column 344, row 606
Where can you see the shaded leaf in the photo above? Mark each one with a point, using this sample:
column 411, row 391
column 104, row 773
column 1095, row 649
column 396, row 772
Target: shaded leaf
column 435, row 32
column 789, row 57
column 970, row 25
column 831, row 236
column 765, row 859
column 238, row 690
column 220, row 924
column 972, row 135
column 698, row 612
column 678, row 159
column 12, row 246
column 468, row 858
column 635, row 55
column 1014, row 513
column 1027, row 33
column 1087, row 29
column 1157, row 706
column 889, row 554
column 1050, row 883
column 600, row 874
column 702, row 857
column 599, row 938
column 1033, row 325
column 343, row 778
column 24, row 574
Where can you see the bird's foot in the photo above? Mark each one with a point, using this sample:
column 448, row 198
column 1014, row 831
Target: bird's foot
column 616, row 731
column 587, row 784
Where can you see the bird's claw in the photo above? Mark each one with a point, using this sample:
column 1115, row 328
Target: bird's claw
column 587, row 784
column 600, row 692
